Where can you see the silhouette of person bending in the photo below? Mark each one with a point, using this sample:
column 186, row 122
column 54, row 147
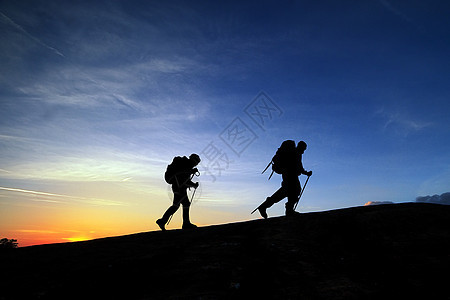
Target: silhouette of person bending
column 179, row 174
column 290, row 186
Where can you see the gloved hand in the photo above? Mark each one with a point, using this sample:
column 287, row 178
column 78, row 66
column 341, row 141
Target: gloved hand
column 195, row 170
column 196, row 184
column 309, row 173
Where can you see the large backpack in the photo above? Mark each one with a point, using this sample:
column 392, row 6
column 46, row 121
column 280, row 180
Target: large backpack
column 283, row 158
column 175, row 168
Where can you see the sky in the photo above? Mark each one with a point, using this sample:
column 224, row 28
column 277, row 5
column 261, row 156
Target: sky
column 97, row 97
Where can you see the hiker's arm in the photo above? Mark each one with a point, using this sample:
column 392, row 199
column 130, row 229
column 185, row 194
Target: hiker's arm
column 189, row 183
column 303, row 171
column 308, row 173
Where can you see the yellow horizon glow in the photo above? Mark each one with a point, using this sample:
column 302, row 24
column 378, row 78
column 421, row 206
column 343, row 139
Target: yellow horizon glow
column 77, row 239
column 82, row 230
column 79, row 211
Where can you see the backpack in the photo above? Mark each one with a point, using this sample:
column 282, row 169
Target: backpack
column 178, row 165
column 283, row 158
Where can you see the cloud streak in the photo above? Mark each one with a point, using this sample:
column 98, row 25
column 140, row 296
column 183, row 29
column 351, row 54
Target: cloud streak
column 395, row 11
column 31, row 192
column 8, row 20
column 401, row 122
column 92, row 201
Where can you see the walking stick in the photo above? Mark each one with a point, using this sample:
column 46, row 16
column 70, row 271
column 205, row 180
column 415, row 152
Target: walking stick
column 254, row 210
column 301, row 193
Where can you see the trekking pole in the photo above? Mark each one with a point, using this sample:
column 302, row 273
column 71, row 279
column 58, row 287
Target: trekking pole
column 193, row 194
column 170, row 219
column 254, row 210
column 195, row 189
column 301, row 193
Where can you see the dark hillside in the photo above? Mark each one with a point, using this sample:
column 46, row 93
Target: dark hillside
column 397, row 251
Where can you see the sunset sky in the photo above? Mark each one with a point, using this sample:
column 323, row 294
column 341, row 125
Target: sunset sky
column 97, row 97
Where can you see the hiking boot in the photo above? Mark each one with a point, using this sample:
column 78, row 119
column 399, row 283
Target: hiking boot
column 161, row 224
column 165, row 218
column 290, row 213
column 265, row 205
column 290, row 209
column 189, row 226
column 262, row 211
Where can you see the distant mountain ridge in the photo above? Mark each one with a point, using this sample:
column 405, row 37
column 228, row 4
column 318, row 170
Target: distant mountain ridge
column 373, row 252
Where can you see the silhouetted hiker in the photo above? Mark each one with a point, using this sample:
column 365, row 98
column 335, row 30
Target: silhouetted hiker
column 179, row 174
column 287, row 162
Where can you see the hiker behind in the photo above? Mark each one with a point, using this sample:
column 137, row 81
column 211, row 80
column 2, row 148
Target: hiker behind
column 287, row 162
column 179, row 174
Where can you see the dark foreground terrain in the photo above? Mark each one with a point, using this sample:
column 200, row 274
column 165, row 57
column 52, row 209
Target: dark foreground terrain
column 399, row 251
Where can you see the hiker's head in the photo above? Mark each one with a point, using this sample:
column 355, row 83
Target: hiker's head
column 195, row 159
column 301, row 147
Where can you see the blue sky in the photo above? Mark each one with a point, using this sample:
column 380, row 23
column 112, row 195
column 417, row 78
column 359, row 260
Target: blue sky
column 98, row 96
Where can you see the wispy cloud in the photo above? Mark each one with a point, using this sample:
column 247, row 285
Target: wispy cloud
column 41, row 231
column 10, row 22
column 401, row 122
column 146, row 88
column 31, row 192
column 64, row 198
column 16, row 138
column 394, row 10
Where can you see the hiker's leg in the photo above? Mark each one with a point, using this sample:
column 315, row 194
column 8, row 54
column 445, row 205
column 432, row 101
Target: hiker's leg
column 276, row 197
column 171, row 210
column 293, row 191
column 163, row 221
column 186, row 207
column 279, row 195
column 186, row 218
column 290, row 207
column 264, row 206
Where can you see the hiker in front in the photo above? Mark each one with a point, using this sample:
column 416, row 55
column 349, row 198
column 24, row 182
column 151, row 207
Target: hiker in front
column 287, row 162
column 179, row 174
